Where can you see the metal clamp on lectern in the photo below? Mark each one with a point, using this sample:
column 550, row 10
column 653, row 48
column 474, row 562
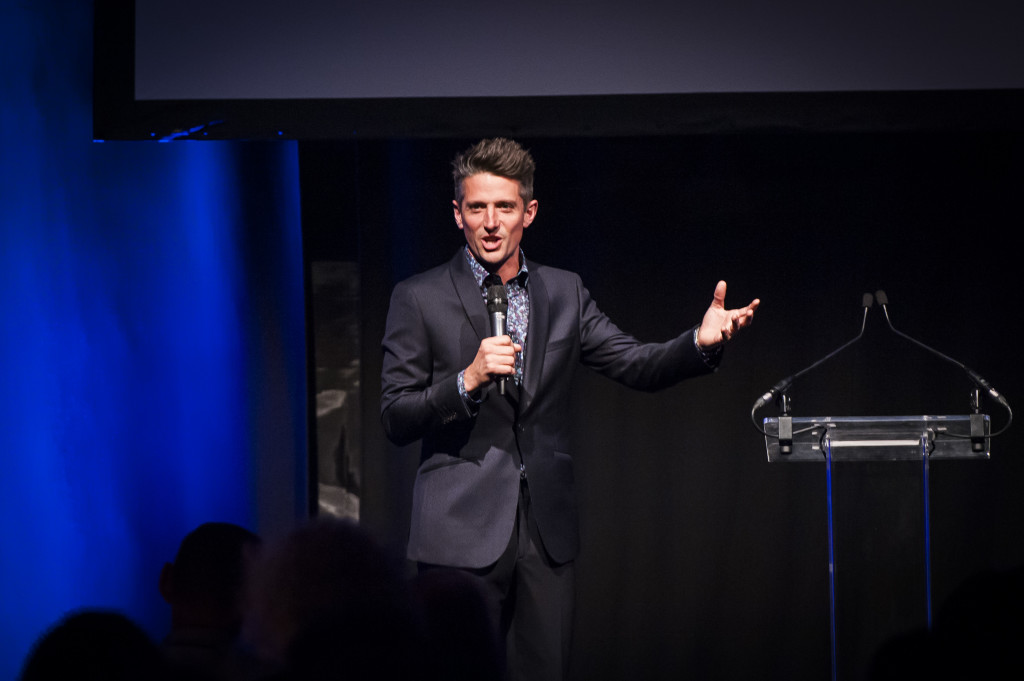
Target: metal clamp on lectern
column 785, row 434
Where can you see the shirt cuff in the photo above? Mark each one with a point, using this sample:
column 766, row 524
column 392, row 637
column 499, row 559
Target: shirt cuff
column 470, row 400
column 710, row 356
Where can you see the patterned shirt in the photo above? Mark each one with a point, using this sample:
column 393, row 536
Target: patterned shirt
column 518, row 311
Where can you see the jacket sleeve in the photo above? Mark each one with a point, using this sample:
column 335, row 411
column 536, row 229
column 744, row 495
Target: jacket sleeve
column 611, row 352
column 415, row 401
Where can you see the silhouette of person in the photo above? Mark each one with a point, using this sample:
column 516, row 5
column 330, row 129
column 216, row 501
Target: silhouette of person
column 95, row 644
column 205, row 589
column 328, row 602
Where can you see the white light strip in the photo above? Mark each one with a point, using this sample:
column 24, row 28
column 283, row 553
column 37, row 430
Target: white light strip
column 875, row 443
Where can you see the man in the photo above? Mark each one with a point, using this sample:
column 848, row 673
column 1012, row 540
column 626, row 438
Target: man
column 494, row 492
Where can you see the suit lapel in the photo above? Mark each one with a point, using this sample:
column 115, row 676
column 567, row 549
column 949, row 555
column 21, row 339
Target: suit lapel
column 536, row 339
column 469, row 293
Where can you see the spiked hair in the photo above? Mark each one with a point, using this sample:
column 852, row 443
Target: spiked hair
column 498, row 156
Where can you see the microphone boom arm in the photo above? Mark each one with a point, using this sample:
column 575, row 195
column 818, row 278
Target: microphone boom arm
column 979, row 382
column 780, row 388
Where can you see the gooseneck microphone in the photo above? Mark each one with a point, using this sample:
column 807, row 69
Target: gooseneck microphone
column 883, row 301
column 780, row 388
column 497, row 310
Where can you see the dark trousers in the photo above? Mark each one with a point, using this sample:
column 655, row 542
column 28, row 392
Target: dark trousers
column 536, row 598
column 532, row 600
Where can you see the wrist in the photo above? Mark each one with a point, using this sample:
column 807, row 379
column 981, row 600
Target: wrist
column 707, row 352
column 468, row 386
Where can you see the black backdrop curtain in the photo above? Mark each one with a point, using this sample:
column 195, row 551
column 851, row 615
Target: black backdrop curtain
column 701, row 559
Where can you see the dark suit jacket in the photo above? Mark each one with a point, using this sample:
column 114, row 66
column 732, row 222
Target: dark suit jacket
column 467, row 486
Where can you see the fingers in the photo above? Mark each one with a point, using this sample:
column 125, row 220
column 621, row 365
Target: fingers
column 501, row 344
column 495, row 357
column 745, row 315
column 739, row 319
column 499, row 355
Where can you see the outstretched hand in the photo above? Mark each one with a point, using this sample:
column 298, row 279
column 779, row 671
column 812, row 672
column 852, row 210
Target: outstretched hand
column 720, row 324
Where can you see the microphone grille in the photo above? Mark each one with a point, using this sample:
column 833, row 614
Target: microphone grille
column 867, row 301
column 881, row 297
column 497, row 296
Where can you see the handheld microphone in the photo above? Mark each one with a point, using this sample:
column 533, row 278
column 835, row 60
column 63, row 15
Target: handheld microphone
column 883, row 301
column 497, row 310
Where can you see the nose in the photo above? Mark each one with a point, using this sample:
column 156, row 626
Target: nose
column 491, row 219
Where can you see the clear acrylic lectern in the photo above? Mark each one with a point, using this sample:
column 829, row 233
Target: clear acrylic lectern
column 879, row 441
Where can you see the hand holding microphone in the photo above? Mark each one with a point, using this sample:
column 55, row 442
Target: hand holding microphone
column 496, row 357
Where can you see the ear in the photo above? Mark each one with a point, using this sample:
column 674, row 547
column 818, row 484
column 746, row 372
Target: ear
column 458, row 214
column 167, row 582
column 530, row 212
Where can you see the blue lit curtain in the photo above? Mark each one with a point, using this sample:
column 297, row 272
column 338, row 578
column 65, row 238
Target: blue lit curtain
column 152, row 343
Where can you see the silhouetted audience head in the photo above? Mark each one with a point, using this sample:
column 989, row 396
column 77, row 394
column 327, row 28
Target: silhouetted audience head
column 205, row 589
column 328, row 602
column 204, row 585
column 95, row 644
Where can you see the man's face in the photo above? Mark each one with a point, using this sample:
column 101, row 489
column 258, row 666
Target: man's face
column 492, row 217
